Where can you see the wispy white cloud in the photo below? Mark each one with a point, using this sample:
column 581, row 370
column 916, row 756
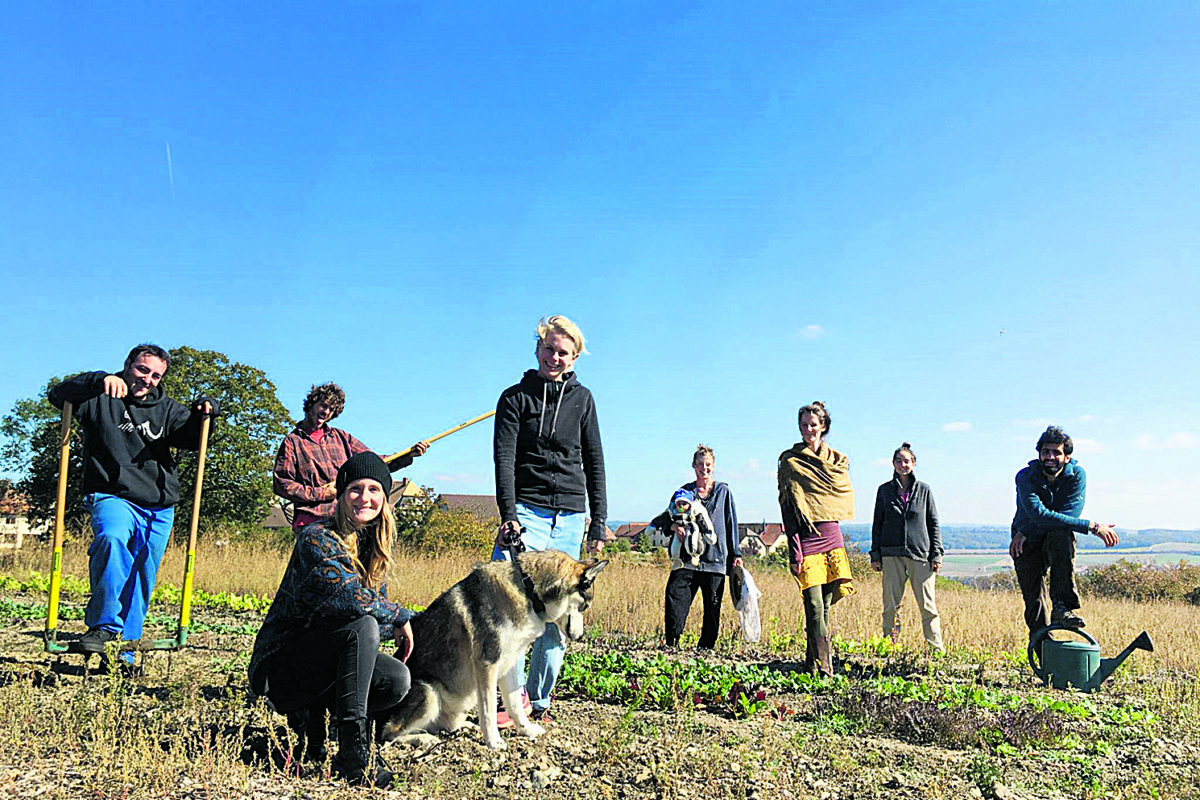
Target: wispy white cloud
column 1087, row 446
column 881, row 462
column 811, row 331
column 1174, row 441
column 1085, row 418
column 956, row 427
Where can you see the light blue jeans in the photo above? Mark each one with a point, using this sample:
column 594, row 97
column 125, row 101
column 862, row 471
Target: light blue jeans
column 127, row 547
column 545, row 529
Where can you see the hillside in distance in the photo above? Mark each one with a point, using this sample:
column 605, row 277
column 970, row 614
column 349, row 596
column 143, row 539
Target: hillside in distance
column 996, row 537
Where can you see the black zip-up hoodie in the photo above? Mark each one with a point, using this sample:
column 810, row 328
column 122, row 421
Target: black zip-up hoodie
column 128, row 442
column 547, row 449
column 910, row 531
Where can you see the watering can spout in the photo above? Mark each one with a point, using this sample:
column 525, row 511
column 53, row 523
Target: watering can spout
column 1109, row 665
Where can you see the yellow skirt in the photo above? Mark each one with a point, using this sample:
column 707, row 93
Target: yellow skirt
column 822, row 568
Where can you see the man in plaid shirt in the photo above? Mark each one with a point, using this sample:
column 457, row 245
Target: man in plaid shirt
column 309, row 458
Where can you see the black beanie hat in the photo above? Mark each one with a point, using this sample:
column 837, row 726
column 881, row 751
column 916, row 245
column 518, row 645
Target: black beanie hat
column 364, row 465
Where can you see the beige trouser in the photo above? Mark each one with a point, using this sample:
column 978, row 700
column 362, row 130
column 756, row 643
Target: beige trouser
column 897, row 571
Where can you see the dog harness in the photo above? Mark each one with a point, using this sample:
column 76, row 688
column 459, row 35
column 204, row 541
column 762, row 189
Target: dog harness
column 539, row 607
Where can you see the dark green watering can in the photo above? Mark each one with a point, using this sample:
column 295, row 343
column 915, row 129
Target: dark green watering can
column 1076, row 664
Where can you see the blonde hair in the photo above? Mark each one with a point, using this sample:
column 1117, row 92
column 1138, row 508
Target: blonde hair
column 369, row 547
column 557, row 323
column 702, row 450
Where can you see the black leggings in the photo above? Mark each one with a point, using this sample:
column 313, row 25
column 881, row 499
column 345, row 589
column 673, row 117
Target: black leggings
column 341, row 668
column 681, row 591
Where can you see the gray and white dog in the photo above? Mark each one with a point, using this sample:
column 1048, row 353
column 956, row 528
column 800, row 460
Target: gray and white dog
column 470, row 638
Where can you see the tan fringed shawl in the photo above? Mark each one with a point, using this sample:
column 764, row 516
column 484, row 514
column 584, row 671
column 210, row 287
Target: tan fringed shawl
column 816, row 485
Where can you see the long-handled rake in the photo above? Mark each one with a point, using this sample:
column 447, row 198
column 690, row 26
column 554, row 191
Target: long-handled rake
column 442, row 435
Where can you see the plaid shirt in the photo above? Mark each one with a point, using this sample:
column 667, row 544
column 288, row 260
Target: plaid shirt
column 303, row 466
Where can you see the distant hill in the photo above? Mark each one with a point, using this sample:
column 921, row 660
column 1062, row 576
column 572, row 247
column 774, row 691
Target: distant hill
column 996, row 537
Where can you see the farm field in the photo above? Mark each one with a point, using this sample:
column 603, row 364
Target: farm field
column 631, row 719
column 974, row 563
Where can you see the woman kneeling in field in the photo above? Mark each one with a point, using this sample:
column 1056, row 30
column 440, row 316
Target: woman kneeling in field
column 319, row 644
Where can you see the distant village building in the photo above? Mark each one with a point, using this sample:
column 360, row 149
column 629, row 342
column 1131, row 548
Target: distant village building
column 482, row 506
column 761, row 539
column 629, row 531
column 14, row 521
column 405, row 492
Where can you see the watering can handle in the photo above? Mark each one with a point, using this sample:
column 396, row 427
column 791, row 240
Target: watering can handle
column 1035, row 642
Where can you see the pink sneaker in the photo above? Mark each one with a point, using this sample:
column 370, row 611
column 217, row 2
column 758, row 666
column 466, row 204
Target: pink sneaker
column 504, row 721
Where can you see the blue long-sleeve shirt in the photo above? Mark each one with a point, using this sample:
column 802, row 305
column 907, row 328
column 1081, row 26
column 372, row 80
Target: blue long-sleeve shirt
column 1043, row 506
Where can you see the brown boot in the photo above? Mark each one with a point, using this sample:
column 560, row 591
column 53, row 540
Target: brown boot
column 824, row 656
column 811, row 653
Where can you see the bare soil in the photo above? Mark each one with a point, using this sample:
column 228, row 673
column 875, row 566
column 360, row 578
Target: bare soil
column 591, row 749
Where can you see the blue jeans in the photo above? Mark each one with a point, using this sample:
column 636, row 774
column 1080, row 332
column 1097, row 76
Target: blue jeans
column 127, row 547
column 545, row 529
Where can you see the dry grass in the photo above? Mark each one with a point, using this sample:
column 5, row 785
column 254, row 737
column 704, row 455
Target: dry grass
column 179, row 732
column 629, row 602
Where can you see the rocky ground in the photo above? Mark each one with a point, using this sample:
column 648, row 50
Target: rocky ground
column 590, row 750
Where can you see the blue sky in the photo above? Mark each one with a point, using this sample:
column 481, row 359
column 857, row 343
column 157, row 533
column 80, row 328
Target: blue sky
column 952, row 222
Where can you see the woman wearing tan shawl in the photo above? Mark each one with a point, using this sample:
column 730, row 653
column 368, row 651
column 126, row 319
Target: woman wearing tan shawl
column 814, row 495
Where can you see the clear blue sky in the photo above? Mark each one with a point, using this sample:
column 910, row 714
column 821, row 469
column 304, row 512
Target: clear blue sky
column 953, row 222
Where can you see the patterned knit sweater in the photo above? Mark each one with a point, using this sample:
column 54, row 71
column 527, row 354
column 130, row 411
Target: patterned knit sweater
column 320, row 590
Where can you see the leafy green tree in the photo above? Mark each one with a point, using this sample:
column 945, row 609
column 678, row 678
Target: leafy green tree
column 31, row 448
column 241, row 446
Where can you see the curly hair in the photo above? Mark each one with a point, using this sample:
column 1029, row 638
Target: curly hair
column 328, row 393
column 1056, row 435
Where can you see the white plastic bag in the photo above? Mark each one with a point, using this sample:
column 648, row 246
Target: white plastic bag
column 747, row 608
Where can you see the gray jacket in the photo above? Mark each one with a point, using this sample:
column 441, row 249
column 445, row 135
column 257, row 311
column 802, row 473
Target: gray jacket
column 910, row 532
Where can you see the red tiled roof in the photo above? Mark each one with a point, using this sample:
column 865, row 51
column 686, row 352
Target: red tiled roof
column 481, row 505
column 771, row 533
column 14, row 503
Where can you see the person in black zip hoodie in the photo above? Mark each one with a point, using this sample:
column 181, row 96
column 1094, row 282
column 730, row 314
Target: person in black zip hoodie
column 906, row 546
column 130, row 484
column 549, row 471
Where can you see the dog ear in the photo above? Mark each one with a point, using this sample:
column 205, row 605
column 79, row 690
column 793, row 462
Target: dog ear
column 593, row 569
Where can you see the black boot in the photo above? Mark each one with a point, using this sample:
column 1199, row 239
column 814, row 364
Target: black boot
column 353, row 760
column 311, row 729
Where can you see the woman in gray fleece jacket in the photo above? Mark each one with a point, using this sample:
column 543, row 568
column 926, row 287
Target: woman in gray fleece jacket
column 906, row 546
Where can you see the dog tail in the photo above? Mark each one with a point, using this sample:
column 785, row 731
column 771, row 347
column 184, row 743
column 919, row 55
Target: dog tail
column 415, row 712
